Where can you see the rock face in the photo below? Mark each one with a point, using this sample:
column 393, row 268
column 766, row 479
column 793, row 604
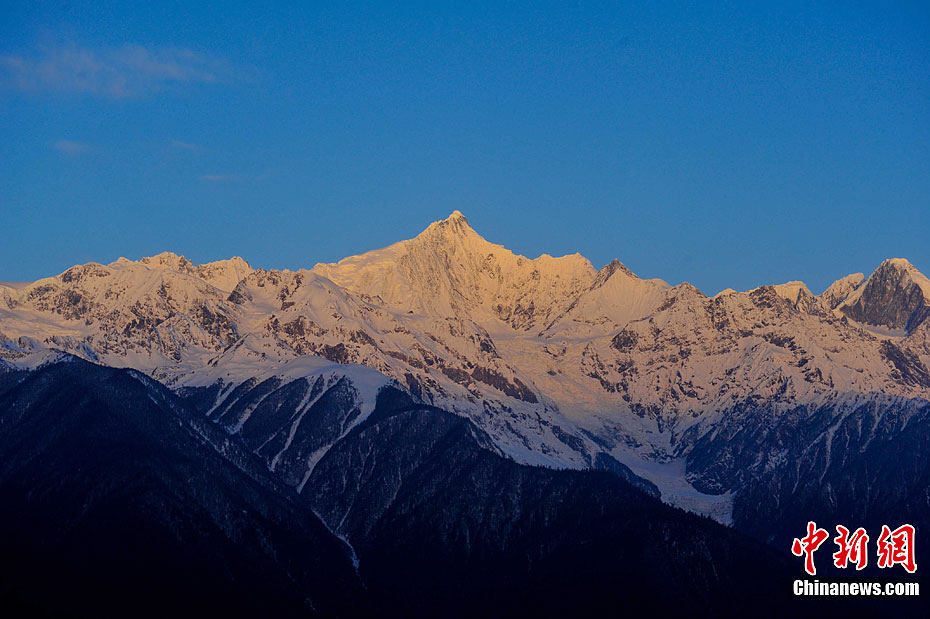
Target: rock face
column 557, row 363
column 840, row 290
column 896, row 295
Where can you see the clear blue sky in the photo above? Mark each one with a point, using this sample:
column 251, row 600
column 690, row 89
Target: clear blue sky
column 729, row 146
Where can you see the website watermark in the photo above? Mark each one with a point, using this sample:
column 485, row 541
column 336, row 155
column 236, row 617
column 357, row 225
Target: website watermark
column 852, row 589
column 893, row 548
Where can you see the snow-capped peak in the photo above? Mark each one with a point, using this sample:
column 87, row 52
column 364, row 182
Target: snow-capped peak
column 224, row 274
column 793, row 290
column 221, row 274
column 904, row 265
column 455, row 225
column 896, row 295
column 609, row 269
column 449, row 269
column 840, row 290
column 168, row 260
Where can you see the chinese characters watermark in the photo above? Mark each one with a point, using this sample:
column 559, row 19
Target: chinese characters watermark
column 894, row 547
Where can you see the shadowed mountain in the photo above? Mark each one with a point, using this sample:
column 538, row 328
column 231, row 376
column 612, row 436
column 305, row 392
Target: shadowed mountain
column 443, row 524
column 130, row 504
column 119, row 502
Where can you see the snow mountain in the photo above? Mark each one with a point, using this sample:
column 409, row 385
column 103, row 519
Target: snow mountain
column 559, row 363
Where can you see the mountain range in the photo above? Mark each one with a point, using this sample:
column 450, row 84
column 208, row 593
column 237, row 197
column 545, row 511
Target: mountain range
column 448, row 401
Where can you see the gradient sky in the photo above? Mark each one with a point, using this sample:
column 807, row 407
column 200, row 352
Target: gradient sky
column 729, row 146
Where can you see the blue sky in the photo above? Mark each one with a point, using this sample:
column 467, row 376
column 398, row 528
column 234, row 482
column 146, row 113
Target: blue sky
column 730, row 145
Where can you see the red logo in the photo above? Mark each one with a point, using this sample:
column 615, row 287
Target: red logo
column 851, row 549
column 808, row 545
column 897, row 547
column 894, row 547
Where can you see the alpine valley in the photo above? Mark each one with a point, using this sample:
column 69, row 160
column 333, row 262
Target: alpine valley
column 444, row 428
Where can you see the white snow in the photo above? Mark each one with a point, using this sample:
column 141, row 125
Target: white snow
column 670, row 477
column 792, row 291
column 447, row 306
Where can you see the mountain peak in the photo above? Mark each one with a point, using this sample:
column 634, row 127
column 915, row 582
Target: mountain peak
column 453, row 226
column 895, row 295
column 167, row 259
column 608, row 270
column 222, row 274
column 906, row 271
column 792, row 290
column 904, row 265
column 451, row 270
column 840, row 290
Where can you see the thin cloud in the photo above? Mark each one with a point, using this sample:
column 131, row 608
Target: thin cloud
column 118, row 72
column 70, row 147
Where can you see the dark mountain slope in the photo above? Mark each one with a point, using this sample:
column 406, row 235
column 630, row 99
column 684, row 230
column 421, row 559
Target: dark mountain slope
column 10, row 378
column 115, row 501
column 867, row 467
column 441, row 523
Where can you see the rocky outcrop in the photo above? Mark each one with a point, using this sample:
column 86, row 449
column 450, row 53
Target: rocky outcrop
column 896, row 295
